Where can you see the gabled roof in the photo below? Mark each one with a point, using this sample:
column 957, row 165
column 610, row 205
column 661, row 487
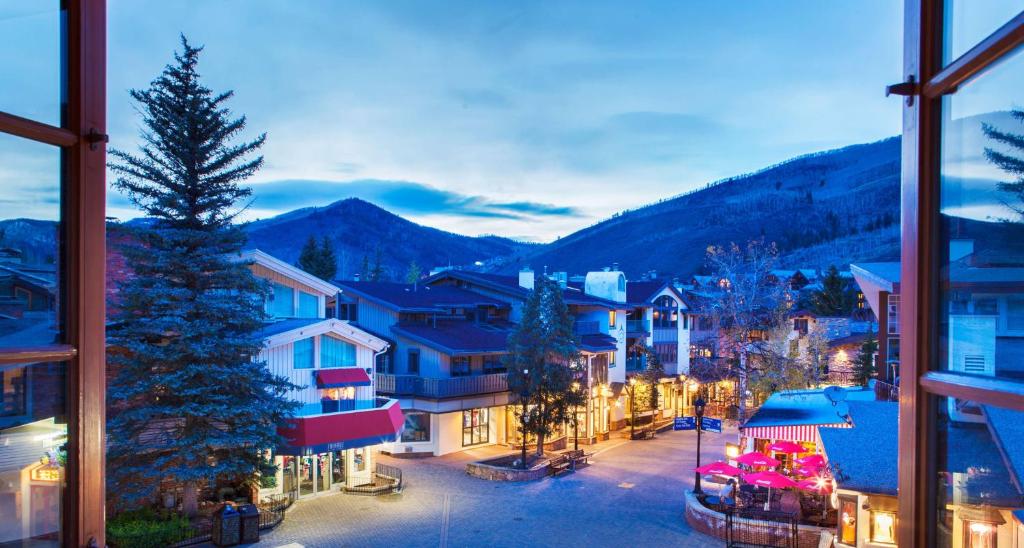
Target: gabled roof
column 277, row 265
column 418, row 297
column 885, row 275
column 457, row 337
column 509, row 285
column 598, row 343
column 645, row 292
column 291, row 330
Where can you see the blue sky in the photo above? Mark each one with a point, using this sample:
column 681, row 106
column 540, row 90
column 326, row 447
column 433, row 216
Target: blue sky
column 523, row 119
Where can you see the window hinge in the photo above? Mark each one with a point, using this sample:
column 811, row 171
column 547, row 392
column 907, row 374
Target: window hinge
column 907, row 89
column 94, row 138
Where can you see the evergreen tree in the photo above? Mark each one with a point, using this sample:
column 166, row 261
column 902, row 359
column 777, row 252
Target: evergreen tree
column 328, row 259
column 413, row 275
column 364, row 270
column 309, row 257
column 864, row 367
column 543, row 362
column 835, row 298
column 188, row 403
column 1014, row 165
column 377, row 274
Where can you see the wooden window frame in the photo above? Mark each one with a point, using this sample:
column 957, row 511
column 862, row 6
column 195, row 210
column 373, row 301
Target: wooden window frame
column 81, row 137
column 920, row 299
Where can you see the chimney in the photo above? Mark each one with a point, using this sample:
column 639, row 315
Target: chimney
column 654, row 274
column 356, row 277
column 526, row 278
column 615, row 267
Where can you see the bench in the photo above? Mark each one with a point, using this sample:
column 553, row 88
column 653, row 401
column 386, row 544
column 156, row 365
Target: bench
column 577, row 457
column 559, row 465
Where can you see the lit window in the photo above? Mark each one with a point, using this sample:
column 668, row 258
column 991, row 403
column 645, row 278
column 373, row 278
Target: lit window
column 611, row 319
column 883, row 527
column 978, row 534
column 847, row 520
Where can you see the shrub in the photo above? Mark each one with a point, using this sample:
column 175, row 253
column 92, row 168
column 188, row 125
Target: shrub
column 146, row 529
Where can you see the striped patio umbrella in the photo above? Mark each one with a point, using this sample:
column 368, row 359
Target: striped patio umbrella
column 721, row 468
column 754, row 458
column 811, row 460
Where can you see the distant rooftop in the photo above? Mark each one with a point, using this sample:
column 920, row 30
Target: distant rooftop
column 803, row 408
column 865, row 455
column 457, row 337
column 418, row 297
column 510, row 285
column 282, row 326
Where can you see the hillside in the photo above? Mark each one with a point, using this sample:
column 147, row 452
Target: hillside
column 358, row 228
column 835, row 206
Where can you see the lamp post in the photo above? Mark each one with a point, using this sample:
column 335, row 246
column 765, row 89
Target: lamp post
column 524, row 393
column 698, row 410
column 576, row 417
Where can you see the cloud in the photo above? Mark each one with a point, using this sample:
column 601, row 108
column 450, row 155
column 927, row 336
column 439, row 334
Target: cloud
column 403, row 197
column 481, row 98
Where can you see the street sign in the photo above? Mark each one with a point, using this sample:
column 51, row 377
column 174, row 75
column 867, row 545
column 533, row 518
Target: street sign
column 711, row 425
column 685, row 423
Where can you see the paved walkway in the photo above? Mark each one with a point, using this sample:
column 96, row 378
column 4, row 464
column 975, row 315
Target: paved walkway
column 632, row 494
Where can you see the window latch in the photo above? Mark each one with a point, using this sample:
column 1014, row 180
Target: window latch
column 907, row 89
column 94, row 138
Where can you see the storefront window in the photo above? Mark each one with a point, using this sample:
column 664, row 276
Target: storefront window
column 416, row 427
column 289, row 474
column 847, row 521
column 323, row 476
column 979, row 534
column 475, row 426
column 883, row 527
column 307, row 475
column 359, row 459
column 338, row 468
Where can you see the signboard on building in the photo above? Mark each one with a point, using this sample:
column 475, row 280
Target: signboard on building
column 711, row 425
column 685, row 423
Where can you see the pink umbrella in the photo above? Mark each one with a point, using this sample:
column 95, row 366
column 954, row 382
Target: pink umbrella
column 811, row 460
column 769, row 479
column 721, row 468
column 818, row 485
column 807, row 470
column 754, row 458
column 787, row 447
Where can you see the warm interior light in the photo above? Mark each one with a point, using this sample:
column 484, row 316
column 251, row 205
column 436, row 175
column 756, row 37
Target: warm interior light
column 980, row 528
column 732, row 451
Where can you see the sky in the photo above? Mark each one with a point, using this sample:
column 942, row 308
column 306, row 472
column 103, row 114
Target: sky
column 528, row 120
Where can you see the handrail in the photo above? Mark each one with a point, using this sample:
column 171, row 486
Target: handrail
column 415, row 385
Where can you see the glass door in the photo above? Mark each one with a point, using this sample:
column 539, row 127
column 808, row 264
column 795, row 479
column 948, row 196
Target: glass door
column 323, row 475
column 338, row 468
column 307, row 476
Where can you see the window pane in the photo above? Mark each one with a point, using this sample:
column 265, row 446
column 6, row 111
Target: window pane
column 282, row 304
column 303, row 354
column 982, row 223
column 32, row 72
column 971, row 21
column 336, row 353
column 309, row 305
column 29, row 244
column 979, row 456
column 33, row 433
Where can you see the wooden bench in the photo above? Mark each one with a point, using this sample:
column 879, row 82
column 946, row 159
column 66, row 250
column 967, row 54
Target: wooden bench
column 577, row 457
column 559, row 465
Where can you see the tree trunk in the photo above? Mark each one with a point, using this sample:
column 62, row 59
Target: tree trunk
column 540, row 444
column 741, row 387
column 190, row 501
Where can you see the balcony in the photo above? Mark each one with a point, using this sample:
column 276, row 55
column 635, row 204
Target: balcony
column 427, row 387
column 636, row 327
column 586, row 328
column 636, row 363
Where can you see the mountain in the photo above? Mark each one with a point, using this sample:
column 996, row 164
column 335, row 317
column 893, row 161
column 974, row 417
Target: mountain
column 358, row 229
column 36, row 239
column 838, row 206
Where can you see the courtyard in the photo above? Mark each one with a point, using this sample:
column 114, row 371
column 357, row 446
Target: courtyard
column 631, row 494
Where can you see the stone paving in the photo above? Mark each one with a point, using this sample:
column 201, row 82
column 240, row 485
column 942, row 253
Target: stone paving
column 632, row 494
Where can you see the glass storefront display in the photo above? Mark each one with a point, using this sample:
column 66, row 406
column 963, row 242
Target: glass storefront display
column 307, row 475
column 338, row 468
column 416, row 427
column 476, row 426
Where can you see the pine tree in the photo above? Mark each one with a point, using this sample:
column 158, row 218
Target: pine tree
column 864, row 366
column 328, row 259
column 188, row 403
column 364, row 271
column 309, row 257
column 377, row 274
column 835, row 297
column 543, row 362
column 413, row 275
column 1014, row 165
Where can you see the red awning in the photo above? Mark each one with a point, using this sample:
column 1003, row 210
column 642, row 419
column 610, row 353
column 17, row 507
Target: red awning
column 344, row 376
column 345, row 430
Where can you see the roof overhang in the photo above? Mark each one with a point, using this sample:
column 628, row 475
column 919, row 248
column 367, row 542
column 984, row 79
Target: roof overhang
column 342, row 329
column 273, row 263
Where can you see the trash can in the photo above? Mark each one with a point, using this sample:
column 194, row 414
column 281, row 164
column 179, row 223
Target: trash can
column 250, row 517
column 226, row 526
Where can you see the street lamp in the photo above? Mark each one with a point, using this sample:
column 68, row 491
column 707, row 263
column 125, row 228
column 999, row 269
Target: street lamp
column 523, row 394
column 698, row 410
column 576, row 416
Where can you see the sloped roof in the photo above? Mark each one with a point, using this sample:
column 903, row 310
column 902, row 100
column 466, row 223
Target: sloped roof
column 418, row 297
column 283, row 326
column 597, row 342
column 865, row 455
column 643, row 292
column 885, row 274
column 803, row 407
column 457, row 337
column 510, row 286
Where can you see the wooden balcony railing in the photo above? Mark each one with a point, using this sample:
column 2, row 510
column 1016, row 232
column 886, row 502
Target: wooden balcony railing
column 636, row 326
column 427, row 387
column 587, row 328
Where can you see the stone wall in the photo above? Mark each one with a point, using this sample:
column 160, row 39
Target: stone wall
column 712, row 523
column 500, row 473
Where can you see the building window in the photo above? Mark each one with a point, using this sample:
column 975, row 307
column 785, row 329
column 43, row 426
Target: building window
column 847, row 533
column 883, row 527
column 336, row 353
column 282, row 301
column 303, row 356
column 384, row 364
column 611, row 319
column 416, row 427
column 413, row 361
column 494, row 364
column 461, row 366
column 665, row 313
column 309, row 305
column 800, row 325
column 475, row 426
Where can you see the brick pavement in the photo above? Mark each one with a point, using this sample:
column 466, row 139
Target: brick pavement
column 631, row 495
